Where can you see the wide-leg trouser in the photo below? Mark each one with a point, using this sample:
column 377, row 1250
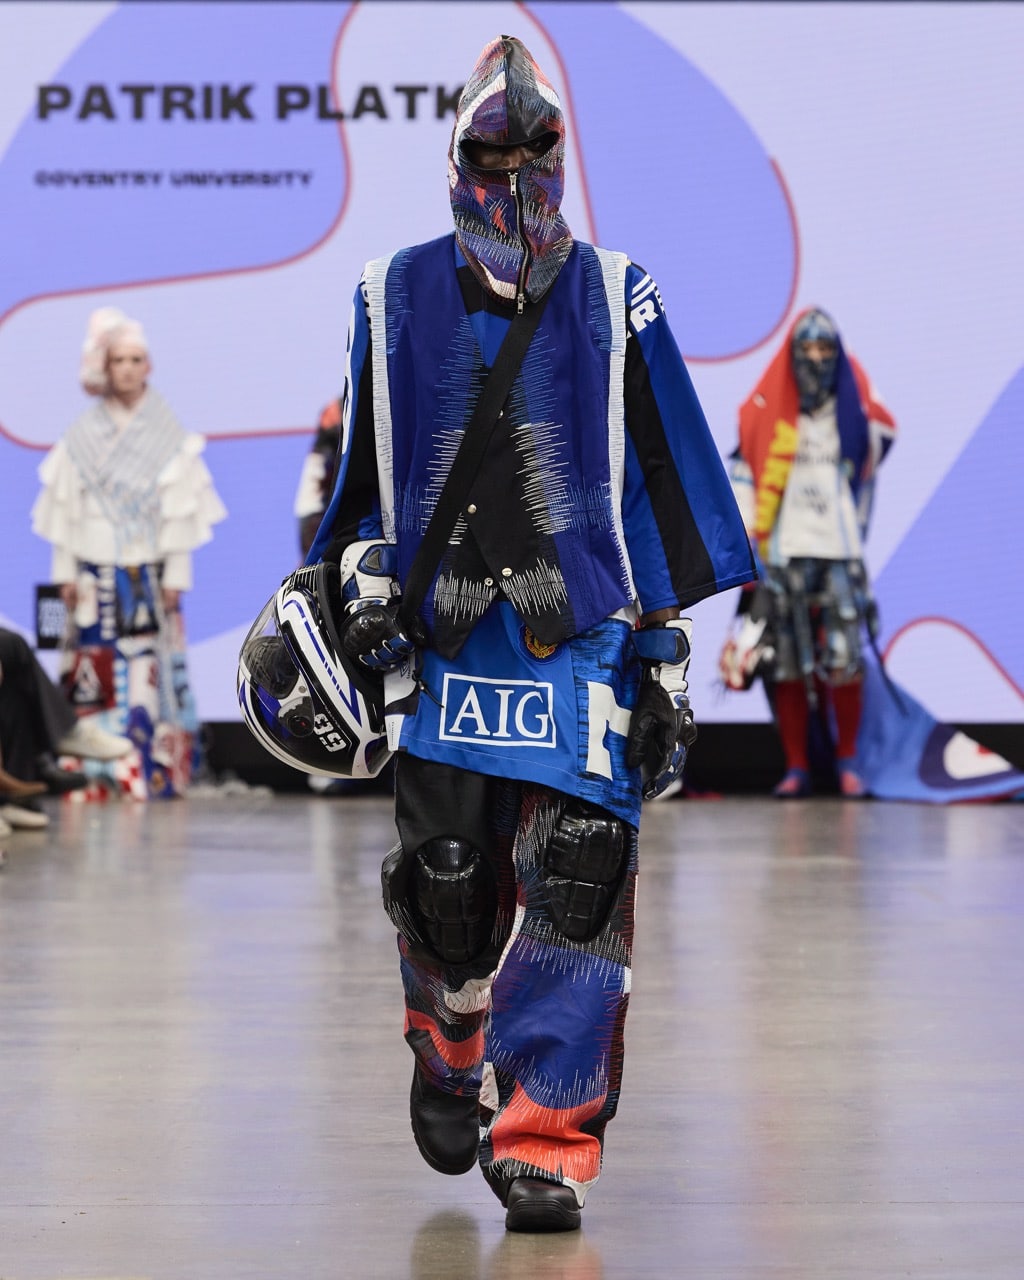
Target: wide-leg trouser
column 535, row 1026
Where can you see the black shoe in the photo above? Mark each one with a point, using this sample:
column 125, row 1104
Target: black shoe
column 536, row 1205
column 59, row 781
column 446, row 1126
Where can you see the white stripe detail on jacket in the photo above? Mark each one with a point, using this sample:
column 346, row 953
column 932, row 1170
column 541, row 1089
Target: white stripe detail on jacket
column 613, row 269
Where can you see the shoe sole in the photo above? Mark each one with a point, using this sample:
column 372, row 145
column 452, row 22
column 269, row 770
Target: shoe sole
column 101, row 757
column 526, row 1212
column 542, row 1216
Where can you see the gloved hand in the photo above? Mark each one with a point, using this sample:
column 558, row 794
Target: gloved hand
column 661, row 730
column 370, row 595
column 747, row 650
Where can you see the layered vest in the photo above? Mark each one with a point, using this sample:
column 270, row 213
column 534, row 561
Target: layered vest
column 541, row 525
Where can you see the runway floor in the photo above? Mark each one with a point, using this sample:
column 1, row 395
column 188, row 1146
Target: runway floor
column 202, row 1073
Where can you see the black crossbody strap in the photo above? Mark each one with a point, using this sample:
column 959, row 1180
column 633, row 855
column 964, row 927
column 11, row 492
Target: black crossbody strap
column 470, row 454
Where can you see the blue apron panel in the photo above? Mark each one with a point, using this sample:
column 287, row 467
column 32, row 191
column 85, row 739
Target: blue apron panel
column 511, row 707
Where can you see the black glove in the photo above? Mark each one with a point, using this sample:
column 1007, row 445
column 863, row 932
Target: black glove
column 369, row 591
column 372, row 635
column 661, row 729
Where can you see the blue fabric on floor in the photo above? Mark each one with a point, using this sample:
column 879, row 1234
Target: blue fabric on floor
column 904, row 753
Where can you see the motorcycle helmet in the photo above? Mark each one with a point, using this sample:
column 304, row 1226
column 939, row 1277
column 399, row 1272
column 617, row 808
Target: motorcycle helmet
column 303, row 698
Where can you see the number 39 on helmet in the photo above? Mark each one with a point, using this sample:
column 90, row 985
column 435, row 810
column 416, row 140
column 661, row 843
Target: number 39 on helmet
column 302, row 697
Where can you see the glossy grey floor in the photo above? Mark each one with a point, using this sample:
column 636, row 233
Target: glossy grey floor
column 202, row 1073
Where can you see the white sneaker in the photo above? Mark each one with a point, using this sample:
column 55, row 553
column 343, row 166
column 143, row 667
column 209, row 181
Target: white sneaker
column 16, row 815
column 5, row 829
column 89, row 741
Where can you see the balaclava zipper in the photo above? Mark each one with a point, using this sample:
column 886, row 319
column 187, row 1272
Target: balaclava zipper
column 508, row 224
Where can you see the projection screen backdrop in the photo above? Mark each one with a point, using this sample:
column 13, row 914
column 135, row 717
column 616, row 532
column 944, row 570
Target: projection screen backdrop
column 222, row 171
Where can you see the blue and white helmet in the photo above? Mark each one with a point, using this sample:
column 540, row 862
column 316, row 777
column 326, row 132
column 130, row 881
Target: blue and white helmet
column 302, row 697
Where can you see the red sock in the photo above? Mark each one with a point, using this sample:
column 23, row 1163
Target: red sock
column 847, row 701
column 791, row 712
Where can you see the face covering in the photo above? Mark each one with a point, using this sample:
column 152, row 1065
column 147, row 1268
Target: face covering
column 815, row 379
column 508, row 226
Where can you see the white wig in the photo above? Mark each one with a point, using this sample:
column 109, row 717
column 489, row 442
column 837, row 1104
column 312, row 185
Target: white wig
column 107, row 327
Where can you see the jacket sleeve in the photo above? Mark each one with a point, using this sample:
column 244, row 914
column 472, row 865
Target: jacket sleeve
column 684, row 534
column 354, row 510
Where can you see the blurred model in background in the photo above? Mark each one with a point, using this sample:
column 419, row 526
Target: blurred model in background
column 126, row 498
column 812, row 435
column 316, row 483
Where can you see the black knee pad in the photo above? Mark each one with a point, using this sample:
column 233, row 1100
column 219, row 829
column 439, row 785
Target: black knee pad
column 583, row 867
column 454, row 898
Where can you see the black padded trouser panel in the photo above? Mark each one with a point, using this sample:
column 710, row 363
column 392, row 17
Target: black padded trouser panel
column 439, row 800
column 440, row 886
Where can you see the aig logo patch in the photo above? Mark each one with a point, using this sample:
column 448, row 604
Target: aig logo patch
column 506, row 713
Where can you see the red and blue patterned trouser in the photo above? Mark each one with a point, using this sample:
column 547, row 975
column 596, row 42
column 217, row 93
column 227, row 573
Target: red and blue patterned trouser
column 538, row 1036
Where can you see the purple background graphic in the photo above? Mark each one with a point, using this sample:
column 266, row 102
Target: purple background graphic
column 130, row 237
column 679, row 178
column 961, row 559
column 90, row 237
column 83, row 238
column 676, row 112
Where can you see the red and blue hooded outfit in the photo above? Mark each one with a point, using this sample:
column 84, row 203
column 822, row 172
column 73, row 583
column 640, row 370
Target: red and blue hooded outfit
column 816, row 584
column 769, row 432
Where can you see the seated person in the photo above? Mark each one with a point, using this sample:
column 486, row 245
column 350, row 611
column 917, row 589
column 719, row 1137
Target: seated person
column 38, row 724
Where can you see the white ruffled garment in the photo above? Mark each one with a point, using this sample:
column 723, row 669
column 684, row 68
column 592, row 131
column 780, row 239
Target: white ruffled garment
column 70, row 516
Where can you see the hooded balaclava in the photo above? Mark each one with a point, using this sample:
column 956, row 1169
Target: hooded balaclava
column 507, row 238
column 815, row 379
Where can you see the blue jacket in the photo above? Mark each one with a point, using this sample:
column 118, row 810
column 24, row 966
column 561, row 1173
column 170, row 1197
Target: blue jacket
column 602, row 489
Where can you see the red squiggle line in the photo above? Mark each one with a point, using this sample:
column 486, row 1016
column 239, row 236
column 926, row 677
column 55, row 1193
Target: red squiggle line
column 217, row 275
column 342, row 210
column 964, row 631
column 592, row 222
column 573, row 133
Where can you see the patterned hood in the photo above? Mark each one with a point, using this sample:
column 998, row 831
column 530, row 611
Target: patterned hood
column 507, row 100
